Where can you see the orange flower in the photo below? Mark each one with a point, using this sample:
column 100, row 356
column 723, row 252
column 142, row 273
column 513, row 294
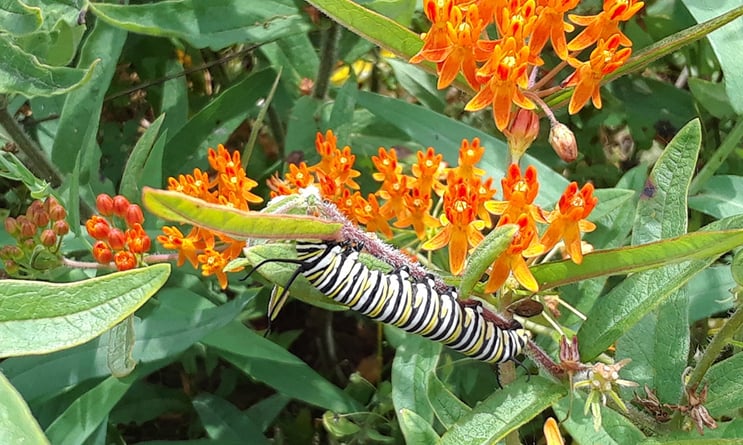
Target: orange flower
column 436, row 43
column 469, row 156
column 335, row 163
column 568, row 220
column 605, row 24
column 463, row 53
column 386, row 165
column 368, row 213
column 552, row 432
column 427, row 171
column 213, row 263
column 187, row 247
column 517, row 20
column 394, row 195
column 461, row 228
column 550, row 24
column 418, row 204
column 512, row 260
column 299, row 176
column 502, row 76
column 196, row 185
column 519, row 194
column 587, row 77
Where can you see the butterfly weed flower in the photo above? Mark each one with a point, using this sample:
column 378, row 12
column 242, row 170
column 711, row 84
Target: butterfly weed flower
column 605, row 24
column 524, row 244
column 118, row 233
column 568, row 220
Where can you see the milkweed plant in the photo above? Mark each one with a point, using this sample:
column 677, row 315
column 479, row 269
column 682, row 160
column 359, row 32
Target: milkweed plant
column 556, row 181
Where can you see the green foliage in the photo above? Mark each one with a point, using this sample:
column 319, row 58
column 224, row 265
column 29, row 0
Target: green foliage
column 117, row 98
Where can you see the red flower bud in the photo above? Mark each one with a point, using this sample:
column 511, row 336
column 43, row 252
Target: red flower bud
column 133, row 215
column 120, row 206
column 50, row 202
column 97, row 227
column 61, row 227
column 48, row 238
column 12, row 226
column 521, row 132
column 125, row 260
column 57, row 212
column 28, row 229
column 563, row 142
column 104, row 204
column 102, row 253
column 39, row 217
column 116, row 239
column 137, row 240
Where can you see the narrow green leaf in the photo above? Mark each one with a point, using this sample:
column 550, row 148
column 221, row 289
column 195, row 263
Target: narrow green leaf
column 38, row 317
column 21, row 73
column 237, row 224
column 12, row 168
column 229, row 21
column 659, row 343
column 17, row 424
column 615, row 428
column 120, row 348
column 414, row 361
column 483, row 256
column 18, row 18
column 446, row 406
column 721, row 196
column 82, row 418
column 703, row 244
column 131, row 179
column 725, row 386
column 415, row 428
column 419, row 84
column 267, row 362
column 222, row 420
column 504, row 411
column 265, row 412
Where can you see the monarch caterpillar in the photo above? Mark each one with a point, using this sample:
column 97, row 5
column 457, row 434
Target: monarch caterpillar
column 395, row 298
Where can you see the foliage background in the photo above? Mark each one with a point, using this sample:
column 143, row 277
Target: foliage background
column 104, row 97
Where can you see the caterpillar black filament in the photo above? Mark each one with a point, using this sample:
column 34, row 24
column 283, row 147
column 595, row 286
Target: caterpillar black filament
column 412, row 305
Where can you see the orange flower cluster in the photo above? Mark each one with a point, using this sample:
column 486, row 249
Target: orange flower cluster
column 465, row 198
column 229, row 186
column 125, row 247
column 499, row 69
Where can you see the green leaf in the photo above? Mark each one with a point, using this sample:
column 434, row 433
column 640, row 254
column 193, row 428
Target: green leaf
column 414, row 361
column 484, row 255
column 625, row 260
column 215, row 24
column 419, row 84
column 446, row 406
column 416, row 429
column 615, row 428
column 120, row 348
column 18, row 18
column 140, row 156
column 17, row 424
column 222, row 420
column 82, row 418
column 21, row 73
column 237, row 224
column 723, row 43
column 267, row 362
column 659, row 343
column 712, row 96
column 12, row 168
column 725, row 382
column 721, row 196
column 504, row 411
column 38, row 317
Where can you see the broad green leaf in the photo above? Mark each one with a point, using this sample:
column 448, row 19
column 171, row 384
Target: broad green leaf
column 17, row 424
column 75, row 140
column 223, row 420
column 21, row 73
column 446, row 406
column 215, row 24
column 697, row 245
column 120, row 348
column 237, row 224
column 710, row 292
column 179, row 319
column 414, row 361
column 37, row 317
column 495, row 243
column 415, row 428
column 265, row 412
column 659, row 343
column 18, row 18
column 609, row 201
column 419, row 84
column 720, row 196
column 82, row 418
column 725, row 386
column 615, row 428
column 56, row 46
column 267, row 362
column 712, row 97
column 131, row 179
column 723, row 42
column 504, row 411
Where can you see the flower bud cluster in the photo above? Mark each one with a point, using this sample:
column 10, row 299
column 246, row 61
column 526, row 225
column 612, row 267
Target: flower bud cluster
column 37, row 233
column 122, row 246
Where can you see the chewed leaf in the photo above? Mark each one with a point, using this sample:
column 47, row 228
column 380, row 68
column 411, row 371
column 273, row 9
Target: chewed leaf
column 235, row 223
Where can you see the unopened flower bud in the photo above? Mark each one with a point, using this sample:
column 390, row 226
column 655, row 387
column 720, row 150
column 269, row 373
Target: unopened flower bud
column 12, row 226
column 120, row 206
column 40, row 217
column 57, row 212
column 133, row 215
column 61, row 227
column 521, row 132
column 116, row 239
column 104, row 204
column 102, row 253
column 563, row 142
column 50, row 202
column 48, row 238
column 11, row 267
column 28, row 229
column 97, row 227
column 125, row 260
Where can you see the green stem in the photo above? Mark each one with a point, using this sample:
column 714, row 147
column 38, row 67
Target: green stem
column 36, row 159
column 731, row 327
column 723, row 151
column 328, row 55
